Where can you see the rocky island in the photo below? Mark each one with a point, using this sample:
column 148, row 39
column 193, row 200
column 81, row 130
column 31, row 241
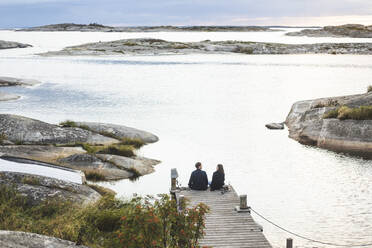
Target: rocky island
column 157, row 46
column 348, row 30
column 11, row 44
column 341, row 124
column 94, row 27
column 11, row 82
column 101, row 151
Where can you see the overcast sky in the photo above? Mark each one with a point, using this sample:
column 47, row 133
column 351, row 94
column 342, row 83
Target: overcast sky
column 25, row 13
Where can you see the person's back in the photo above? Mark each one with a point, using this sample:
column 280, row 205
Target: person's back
column 218, row 179
column 198, row 179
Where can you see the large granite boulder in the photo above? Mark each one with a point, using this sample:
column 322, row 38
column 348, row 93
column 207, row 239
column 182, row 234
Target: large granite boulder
column 120, row 131
column 306, row 124
column 39, row 188
column 11, row 239
column 23, row 130
column 11, row 44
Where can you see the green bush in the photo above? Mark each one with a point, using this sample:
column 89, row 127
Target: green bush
column 111, row 223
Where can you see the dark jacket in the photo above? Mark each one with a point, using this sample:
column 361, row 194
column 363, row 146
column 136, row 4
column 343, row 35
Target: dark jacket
column 218, row 180
column 198, row 180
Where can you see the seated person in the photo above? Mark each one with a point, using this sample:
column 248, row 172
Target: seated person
column 218, row 179
column 198, row 179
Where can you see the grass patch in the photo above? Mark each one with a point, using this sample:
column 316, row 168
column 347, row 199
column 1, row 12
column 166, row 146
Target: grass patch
column 347, row 113
column 94, row 175
column 69, row 123
column 102, row 190
column 3, row 138
column 120, row 150
column 331, row 114
column 135, row 173
column 108, row 223
column 328, row 103
column 136, row 143
column 30, row 180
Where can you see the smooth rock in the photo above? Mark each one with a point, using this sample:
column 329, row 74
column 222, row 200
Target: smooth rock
column 120, row 131
column 47, row 154
column 306, row 125
column 8, row 97
column 143, row 166
column 38, row 188
column 10, row 81
column 11, row 44
column 11, row 239
column 23, row 130
column 275, row 126
column 91, row 162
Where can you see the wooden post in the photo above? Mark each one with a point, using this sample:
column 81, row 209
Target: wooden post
column 174, row 176
column 173, row 183
column 181, row 202
column 289, row 243
column 243, row 202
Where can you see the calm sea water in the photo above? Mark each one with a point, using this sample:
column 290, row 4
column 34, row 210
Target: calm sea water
column 213, row 108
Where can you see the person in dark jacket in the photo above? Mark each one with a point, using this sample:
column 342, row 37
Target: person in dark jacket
column 218, row 179
column 198, row 179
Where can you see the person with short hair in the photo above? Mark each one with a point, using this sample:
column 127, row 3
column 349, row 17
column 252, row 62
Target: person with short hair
column 218, row 179
column 198, row 179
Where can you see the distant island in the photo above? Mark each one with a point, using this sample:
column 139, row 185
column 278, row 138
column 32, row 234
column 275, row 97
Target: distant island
column 146, row 46
column 94, row 27
column 348, row 30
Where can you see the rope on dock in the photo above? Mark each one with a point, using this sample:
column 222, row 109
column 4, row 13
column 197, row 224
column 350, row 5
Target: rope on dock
column 306, row 238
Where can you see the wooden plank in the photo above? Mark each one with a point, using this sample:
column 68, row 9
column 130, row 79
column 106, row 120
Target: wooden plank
column 225, row 227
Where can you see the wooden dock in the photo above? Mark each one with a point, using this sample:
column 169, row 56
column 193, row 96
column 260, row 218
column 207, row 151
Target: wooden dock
column 225, row 226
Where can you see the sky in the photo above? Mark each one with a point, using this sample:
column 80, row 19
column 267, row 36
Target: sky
column 28, row 13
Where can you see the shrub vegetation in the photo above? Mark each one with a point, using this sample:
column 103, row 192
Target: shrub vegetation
column 369, row 89
column 94, row 175
column 139, row 222
column 345, row 112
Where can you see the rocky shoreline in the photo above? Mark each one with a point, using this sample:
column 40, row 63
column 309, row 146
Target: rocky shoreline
column 308, row 125
column 97, row 150
column 348, row 30
column 11, row 44
column 160, row 47
column 94, row 27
